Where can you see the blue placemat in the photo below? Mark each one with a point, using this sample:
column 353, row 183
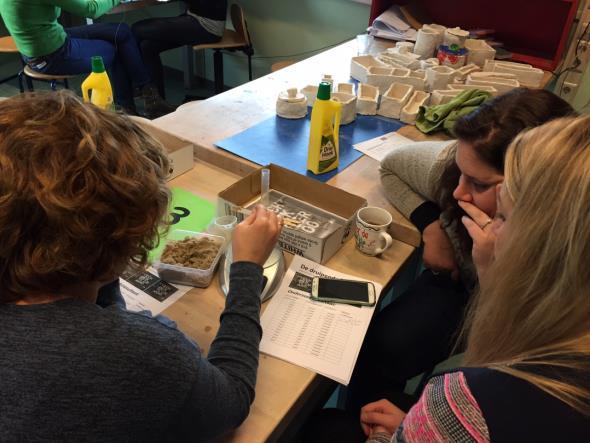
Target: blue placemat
column 284, row 142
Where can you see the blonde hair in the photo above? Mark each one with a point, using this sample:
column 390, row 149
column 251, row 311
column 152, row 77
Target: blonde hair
column 531, row 319
column 82, row 193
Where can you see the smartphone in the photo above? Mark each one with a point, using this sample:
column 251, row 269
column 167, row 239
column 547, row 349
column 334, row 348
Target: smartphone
column 343, row 291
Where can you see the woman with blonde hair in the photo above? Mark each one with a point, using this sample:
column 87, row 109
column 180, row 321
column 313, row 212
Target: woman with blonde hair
column 83, row 196
column 526, row 374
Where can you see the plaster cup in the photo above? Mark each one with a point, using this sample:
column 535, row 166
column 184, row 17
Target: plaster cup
column 455, row 36
column 440, row 30
column 367, row 98
column 347, row 88
column 410, row 110
column 348, row 110
column 439, row 77
column 328, row 79
column 426, row 42
column 479, row 52
column 291, row 104
column 310, row 92
column 394, row 100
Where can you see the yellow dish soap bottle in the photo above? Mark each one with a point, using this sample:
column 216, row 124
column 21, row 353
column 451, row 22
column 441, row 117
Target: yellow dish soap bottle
column 322, row 155
column 97, row 88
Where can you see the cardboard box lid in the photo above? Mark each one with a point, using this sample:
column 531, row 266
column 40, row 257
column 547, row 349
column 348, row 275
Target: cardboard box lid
column 319, row 194
column 171, row 142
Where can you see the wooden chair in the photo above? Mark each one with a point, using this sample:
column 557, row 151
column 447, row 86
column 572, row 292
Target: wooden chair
column 238, row 40
column 280, row 65
column 8, row 46
column 52, row 79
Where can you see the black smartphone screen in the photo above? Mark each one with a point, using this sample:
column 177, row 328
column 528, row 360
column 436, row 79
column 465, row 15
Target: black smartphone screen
column 343, row 290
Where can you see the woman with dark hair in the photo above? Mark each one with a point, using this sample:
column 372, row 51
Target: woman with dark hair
column 424, row 181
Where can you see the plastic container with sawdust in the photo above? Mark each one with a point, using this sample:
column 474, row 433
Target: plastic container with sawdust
column 204, row 250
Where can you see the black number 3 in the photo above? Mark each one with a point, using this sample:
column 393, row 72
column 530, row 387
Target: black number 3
column 176, row 216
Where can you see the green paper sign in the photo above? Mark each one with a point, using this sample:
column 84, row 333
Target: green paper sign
column 189, row 213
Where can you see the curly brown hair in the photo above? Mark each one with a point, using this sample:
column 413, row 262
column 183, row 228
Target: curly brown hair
column 82, row 193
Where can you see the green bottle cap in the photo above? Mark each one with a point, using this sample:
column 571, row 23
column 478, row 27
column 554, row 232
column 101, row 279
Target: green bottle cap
column 324, row 91
column 97, row 64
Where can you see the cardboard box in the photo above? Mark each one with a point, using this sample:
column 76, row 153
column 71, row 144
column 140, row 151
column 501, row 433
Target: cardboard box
column 180, row 152
column 342, row 205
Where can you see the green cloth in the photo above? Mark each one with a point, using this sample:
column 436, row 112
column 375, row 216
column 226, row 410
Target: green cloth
column 33, row 23
column 434, row 118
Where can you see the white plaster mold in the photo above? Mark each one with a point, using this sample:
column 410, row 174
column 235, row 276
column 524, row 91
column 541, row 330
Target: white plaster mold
column 328, row 79
column 438, row 77
column 462, row 73
column 367, row 98
column 409, row 61
column 348, row 110
column 501, row 81
column 455, row 36
column 429, row 63
column 382, row 78
column 410, row 110
column 442, row 97
column 526, row 74
column 291, row 104
column 359, row 66
column 479, row 51
column 394, row 99
column 459, row 87
column 347, row 88
column 426, row 42
column 310, row 92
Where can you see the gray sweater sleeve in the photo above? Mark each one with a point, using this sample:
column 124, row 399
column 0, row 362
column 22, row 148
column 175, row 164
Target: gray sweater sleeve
column 410, row 173
column 223, row 389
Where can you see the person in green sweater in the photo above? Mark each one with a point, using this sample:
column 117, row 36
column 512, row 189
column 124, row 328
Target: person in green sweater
column 48, row 48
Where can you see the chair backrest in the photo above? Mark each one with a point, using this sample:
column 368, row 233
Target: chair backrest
column 239, row 23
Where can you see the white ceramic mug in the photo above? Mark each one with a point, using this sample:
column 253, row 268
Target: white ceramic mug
column 371, row 230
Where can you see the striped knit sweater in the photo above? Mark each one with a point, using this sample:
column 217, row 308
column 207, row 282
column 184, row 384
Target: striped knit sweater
column 446, row 411
column 483, row 405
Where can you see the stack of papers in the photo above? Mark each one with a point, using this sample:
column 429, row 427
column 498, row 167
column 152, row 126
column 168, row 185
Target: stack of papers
column 392, row 26
column 323, row 337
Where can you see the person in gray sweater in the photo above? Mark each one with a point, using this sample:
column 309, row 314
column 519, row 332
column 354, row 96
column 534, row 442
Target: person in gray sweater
column 424, row 181
column 82, row 197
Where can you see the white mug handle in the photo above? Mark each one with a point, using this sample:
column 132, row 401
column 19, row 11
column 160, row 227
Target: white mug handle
column 388, row 242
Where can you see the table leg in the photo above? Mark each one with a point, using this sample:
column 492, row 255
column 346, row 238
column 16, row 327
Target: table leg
column 188, row 67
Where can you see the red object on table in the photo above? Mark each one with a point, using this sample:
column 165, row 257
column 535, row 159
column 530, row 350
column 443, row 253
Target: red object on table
column 536, row 32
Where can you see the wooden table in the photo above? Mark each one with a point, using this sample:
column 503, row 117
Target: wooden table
column 221, row 116
column 284, row 391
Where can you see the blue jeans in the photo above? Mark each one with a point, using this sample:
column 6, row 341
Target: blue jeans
column 117, row 46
